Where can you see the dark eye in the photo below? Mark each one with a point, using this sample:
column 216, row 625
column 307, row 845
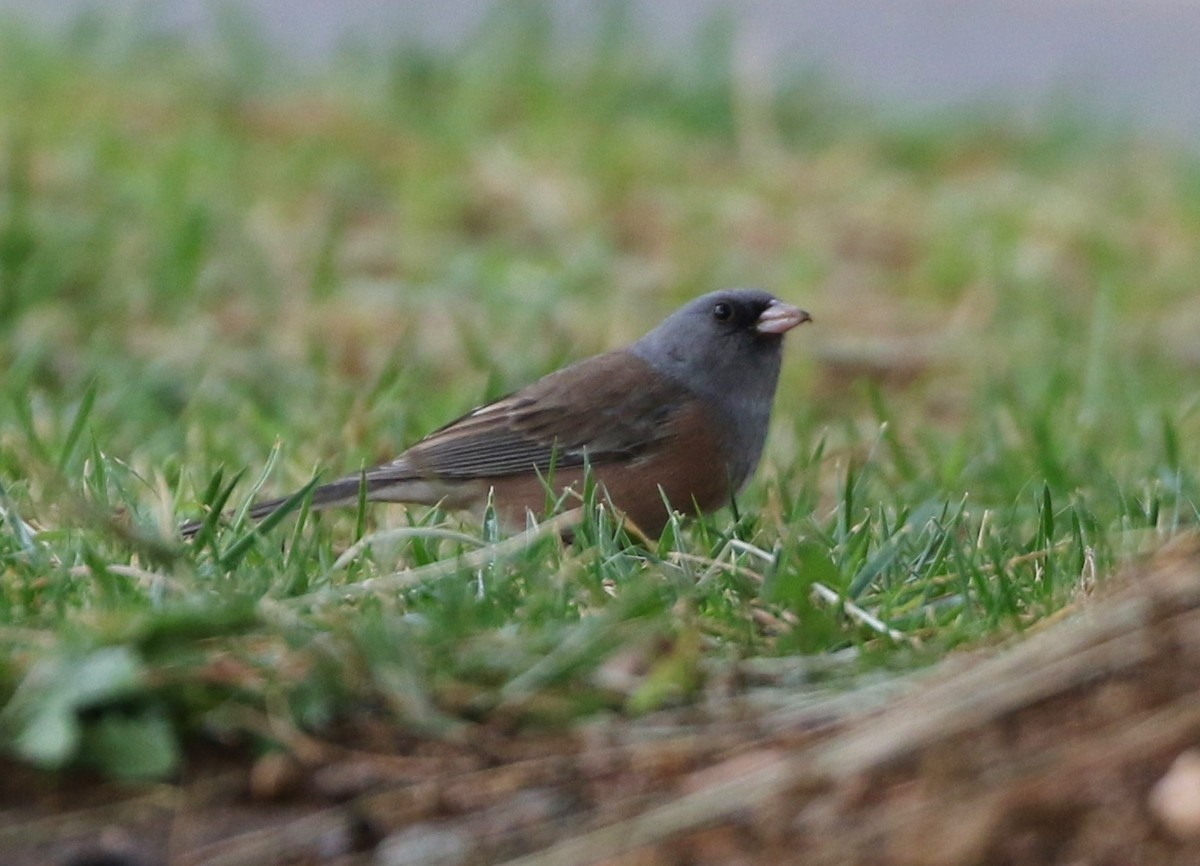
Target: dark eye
column 722, row 312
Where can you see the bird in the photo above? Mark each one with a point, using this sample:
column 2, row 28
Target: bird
column 676, row 420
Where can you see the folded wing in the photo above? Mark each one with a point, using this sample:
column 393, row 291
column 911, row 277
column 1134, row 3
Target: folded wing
column 546, row 424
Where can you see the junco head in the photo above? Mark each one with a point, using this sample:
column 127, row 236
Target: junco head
column 681, row 414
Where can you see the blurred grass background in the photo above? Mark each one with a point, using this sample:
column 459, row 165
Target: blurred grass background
column 212, row 262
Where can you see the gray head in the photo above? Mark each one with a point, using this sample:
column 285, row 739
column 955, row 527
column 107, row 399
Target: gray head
column 726, row 347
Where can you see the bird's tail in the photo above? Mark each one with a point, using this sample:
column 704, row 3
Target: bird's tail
column 344, row 491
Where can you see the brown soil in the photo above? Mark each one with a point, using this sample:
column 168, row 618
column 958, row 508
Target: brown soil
column 1051, row 751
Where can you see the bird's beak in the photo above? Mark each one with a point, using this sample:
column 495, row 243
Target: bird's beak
column 779, row 318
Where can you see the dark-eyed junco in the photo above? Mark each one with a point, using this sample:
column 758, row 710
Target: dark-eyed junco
column 681, row 415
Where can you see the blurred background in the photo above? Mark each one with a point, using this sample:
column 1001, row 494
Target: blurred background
column 1127, row 60
column 307, row 212
column 335, row 225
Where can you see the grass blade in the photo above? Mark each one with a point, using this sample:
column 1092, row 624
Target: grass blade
column 233, row 555
column 77, row 424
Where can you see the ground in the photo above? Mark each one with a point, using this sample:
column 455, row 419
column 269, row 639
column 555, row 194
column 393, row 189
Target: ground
column 1044, row 751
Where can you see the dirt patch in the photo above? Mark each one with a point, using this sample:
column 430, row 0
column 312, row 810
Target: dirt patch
column 1071, row 747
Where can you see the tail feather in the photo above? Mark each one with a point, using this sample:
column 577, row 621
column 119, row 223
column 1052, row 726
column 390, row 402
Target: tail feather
column 392, row 482
column 344, row 491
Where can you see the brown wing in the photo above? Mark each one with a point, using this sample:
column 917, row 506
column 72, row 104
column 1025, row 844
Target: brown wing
column 613, row 406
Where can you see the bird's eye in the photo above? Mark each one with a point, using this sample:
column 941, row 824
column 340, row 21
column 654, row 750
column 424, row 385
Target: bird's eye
column 722, row 312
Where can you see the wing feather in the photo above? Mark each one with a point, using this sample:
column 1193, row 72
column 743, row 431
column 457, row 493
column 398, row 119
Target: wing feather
column 547, row 423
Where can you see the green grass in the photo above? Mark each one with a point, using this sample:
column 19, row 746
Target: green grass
column 214, row 268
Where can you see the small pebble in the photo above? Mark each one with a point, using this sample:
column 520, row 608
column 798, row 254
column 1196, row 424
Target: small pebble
column 1175, row 798
column 423, row 845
